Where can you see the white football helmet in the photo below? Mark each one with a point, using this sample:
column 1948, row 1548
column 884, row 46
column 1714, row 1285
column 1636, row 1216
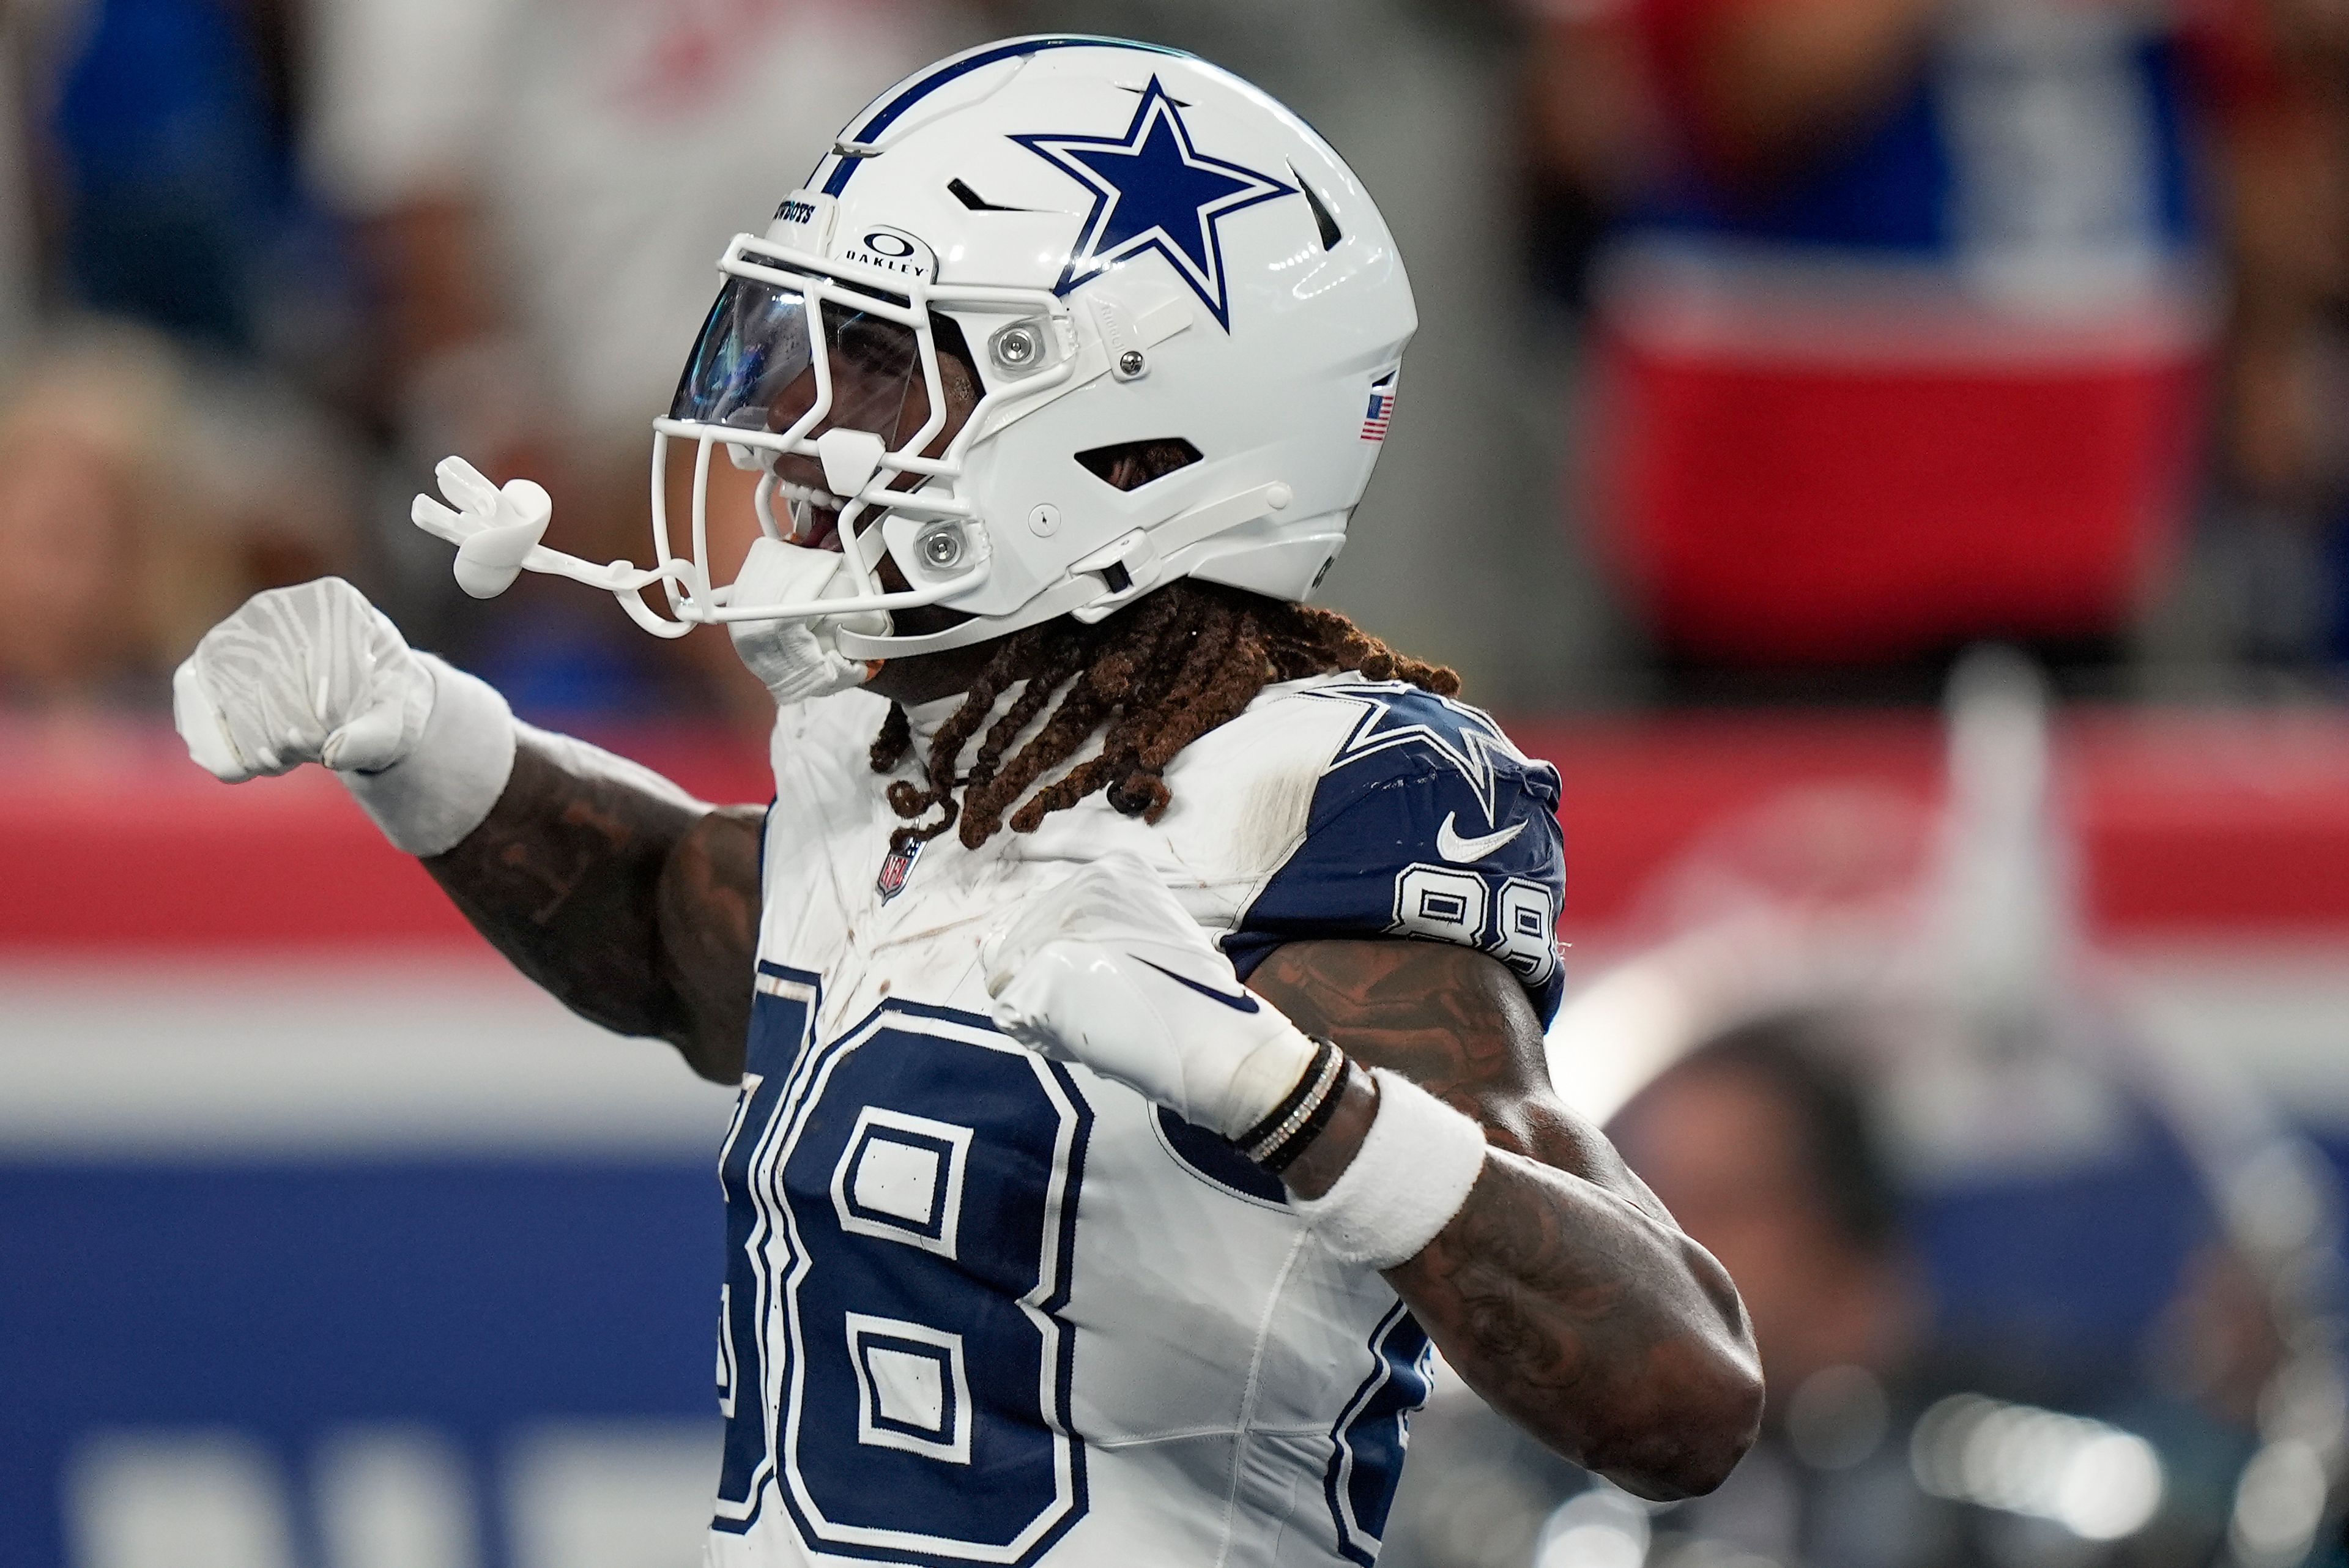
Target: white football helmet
column 1127, row 245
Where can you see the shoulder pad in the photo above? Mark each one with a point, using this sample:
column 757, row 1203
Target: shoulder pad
column 1426, row 822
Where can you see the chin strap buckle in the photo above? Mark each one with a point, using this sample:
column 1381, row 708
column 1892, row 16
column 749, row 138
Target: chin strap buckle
column 1135, row 564
column 1128, row 568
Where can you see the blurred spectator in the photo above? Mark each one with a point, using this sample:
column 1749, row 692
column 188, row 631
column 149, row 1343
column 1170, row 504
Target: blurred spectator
column 83, row 478
column 164, row 133
column 139, row 503
column 1763, row 1146
column 1888, row 1443
column 544, row 187
column 1764, row 1149
column 1909, row 332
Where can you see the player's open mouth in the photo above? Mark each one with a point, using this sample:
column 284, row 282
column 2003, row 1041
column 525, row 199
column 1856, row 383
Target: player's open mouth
column 815, row 515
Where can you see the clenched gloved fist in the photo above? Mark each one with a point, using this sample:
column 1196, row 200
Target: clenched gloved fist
column 306, row 674
column 1106, row 968
column 316, row 674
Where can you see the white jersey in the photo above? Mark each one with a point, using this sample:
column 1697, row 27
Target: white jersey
column 984, row 1308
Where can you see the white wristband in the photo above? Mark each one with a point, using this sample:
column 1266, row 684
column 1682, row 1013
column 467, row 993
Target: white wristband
column 427, row 801
column 1408, row 1179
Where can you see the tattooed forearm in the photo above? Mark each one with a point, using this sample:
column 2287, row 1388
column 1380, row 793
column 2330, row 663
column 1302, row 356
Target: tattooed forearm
column 1593, row 1325
column 1562, row 1291
column 634, row 905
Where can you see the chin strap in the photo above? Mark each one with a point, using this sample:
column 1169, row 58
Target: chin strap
column 797, row 659
column 1062, row 598
column 1098, row 585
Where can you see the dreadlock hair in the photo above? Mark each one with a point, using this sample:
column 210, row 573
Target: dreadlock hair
column 1158, row 674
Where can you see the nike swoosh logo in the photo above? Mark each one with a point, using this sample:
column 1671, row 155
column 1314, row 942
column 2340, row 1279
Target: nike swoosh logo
column 1464, row 851
column 1243, row 1003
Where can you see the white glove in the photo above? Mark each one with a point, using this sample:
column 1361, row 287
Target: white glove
column 316, row 674
column 795, row 659
column 306, row 674
column 1106, row 968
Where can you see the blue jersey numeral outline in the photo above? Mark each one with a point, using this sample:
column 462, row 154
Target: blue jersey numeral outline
column 1367, row 1444
column 770, row 1202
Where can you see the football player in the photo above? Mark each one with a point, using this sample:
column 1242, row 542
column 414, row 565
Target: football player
column 1136, row 987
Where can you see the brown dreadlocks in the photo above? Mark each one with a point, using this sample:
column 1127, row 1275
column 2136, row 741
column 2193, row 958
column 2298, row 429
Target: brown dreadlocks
column 1159, row 674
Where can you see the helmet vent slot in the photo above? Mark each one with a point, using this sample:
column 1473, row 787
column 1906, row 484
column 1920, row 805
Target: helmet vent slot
column 1322, row 221
column 975, row 202
column 1131, row 464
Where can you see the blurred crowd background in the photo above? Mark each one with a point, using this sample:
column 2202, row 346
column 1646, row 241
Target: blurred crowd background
column 1769, row 350
column 1773, row 353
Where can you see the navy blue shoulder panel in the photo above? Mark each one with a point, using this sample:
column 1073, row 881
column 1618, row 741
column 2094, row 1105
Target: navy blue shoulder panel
column 1426, row 823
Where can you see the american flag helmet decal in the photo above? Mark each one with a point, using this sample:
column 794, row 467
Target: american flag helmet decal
column 1382, row 399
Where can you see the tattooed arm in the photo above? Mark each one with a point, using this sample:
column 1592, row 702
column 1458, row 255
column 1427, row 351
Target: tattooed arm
column 636, row 905
column 1562, row 1291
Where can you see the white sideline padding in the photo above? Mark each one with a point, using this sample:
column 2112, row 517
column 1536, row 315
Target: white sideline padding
column 300, row 1057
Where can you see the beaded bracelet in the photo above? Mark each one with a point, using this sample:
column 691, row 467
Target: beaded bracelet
column 1276, row 1142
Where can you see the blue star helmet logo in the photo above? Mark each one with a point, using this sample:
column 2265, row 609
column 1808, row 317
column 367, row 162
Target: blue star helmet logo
column 1153, row 191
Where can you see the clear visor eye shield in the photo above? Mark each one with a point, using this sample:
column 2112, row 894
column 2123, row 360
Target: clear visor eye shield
column 794, row 363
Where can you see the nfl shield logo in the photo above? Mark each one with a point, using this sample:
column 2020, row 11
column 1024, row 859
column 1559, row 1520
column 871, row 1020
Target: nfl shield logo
column 895, row 869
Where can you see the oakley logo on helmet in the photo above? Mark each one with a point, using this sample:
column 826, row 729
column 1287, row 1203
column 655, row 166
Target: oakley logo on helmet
column 892, row 252
column 1154, row 190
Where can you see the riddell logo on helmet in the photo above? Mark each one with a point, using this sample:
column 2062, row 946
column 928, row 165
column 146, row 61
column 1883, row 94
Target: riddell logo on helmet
column 889, row 250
